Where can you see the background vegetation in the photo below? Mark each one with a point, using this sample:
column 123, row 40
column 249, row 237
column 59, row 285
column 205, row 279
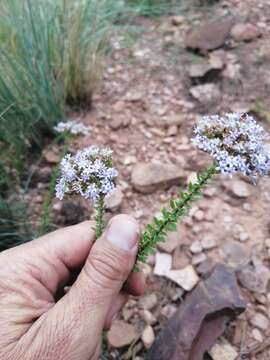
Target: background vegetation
column 52, row 56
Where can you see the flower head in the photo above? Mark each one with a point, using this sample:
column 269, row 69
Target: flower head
column 73, row 127
column 237, row 143
column 88, row 173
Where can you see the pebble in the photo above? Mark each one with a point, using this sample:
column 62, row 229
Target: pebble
column 199, row 215
column 186, row 278
column 206, row 93
column 234, row 254
column 257, row 335
column 121, row 334
column 208, row 243
column 148, row 336
column 205, row 267
column 148, row 317
column 171, row 243
column 148, row 302
column 168, row 310
column 115, row 123
column 254, row 278
column 163, row 264
column 172, row 131
column 240, row 189
column 222, row 350
column 267, row 243
column 198, row 259
column 260, row 321
column 196, row 247
column 113, row 202
column 243, row 236
column 245, row 32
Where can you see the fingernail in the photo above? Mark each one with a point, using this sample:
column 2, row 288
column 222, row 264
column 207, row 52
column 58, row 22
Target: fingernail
column 123, row 232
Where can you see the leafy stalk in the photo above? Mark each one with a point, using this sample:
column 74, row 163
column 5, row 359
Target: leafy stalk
column 157, row 231
column 100, row 210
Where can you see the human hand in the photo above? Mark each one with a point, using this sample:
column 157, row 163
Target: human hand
column 36, row 326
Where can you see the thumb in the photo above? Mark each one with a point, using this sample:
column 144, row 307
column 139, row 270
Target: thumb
column 107, row 267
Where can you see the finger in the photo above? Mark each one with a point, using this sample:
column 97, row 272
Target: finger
column 49, row 258
column 83, row 310
column 135, row 284
column 117, row 304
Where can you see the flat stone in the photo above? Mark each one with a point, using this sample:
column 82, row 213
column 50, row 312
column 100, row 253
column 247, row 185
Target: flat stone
column 148, row 302
column 148, row 336
column 235, row 254
column 240, row 189
column 114, row 200
column 171, row 243
column 196, row 247
column 260, row 321
column 146, row 178
column 186, row 278
column 209, row 36
column 121, row 334
column 206, row 93
column 208, row 243
column 163, row 264
column 222, row 350
column 201, row 319
column 245, row 32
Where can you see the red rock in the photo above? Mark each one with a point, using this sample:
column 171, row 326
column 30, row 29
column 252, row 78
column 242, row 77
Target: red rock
column 146, row 178
column 209, row 36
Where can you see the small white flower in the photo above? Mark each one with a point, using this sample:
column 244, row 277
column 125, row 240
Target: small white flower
column 88, row 173
column 72, row 126
column 236, row 142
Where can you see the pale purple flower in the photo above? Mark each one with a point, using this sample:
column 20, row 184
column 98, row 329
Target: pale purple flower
column 73, row 127
column 236, row 142
column 88, row 173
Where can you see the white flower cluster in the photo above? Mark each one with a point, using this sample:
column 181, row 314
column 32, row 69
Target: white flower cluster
column 88, row 173
column 236, row 141
column 72, row 126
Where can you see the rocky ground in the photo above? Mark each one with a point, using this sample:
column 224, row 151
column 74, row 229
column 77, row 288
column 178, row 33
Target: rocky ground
column 180, row 68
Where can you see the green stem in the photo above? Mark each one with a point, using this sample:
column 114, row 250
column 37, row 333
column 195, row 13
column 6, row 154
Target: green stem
column 157, row 231
column 100, row 210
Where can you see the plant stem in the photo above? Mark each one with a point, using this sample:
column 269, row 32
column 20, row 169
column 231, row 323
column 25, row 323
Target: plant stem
column 157, row 231
column 100, row 210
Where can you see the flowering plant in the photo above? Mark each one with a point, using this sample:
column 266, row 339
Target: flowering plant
column 235, row 142
column 88, row 173
column 73, row 127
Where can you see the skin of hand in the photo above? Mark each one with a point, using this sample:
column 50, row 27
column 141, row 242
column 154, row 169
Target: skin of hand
column 35, row 323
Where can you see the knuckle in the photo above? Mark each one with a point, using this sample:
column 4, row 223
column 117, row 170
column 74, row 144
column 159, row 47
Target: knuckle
column 109, row 266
